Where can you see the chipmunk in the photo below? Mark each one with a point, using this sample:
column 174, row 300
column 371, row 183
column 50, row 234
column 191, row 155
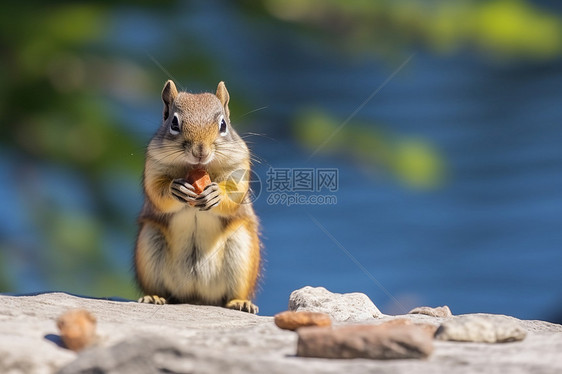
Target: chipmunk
column 199, row 249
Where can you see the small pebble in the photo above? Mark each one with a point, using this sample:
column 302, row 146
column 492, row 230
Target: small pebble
column 428, row 327
column 481, row 328
column 440, row 311
column 77, row 329
column 293, row 320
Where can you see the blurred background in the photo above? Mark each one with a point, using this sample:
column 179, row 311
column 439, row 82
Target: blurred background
column 443, row 120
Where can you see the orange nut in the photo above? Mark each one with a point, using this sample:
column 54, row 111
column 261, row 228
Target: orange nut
column 199, row 179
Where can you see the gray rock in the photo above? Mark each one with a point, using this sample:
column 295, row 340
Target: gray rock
column 30, row 341
column 141, row 355
column 341, row 307
column 380, row 342
column 481, row 328
column 204, row 339
column 440, row 311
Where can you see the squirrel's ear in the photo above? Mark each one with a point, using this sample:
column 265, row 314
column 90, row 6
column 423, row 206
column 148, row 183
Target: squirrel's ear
column 224, row 97
column 169, row 93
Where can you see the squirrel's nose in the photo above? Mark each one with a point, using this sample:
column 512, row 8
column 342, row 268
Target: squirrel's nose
column 200, row 151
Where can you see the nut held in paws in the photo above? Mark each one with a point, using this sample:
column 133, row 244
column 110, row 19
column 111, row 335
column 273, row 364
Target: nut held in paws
column 199, row 179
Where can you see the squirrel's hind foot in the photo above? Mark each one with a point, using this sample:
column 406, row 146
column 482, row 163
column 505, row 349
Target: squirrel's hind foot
column 152, row 299
column 242, row 305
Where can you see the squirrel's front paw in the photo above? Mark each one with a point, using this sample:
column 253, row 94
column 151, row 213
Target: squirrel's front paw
column 242, row 305
column 152, row 299
column 210, row 197
column 183, row 191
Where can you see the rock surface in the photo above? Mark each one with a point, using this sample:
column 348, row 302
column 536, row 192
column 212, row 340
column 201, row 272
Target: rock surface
column 346, row 307
column 142, row 338
column 382, row 342
column 481, row 328
column 440, row 311
column 289, row 320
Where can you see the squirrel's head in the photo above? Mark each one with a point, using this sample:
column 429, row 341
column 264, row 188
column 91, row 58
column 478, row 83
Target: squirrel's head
column 196, row 129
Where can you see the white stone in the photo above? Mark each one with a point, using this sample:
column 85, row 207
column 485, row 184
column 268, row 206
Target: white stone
column 345, row 307
column 481, row 328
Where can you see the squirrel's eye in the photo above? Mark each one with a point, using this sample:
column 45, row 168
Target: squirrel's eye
column 223, row 128
column 175, row 126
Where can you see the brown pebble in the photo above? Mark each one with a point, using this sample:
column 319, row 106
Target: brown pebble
column 397, row 322
column 77, row 329
column 428, row 327
column 365, row 341
column 293, row 320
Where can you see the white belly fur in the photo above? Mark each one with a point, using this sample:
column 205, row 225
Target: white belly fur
column 213, row 271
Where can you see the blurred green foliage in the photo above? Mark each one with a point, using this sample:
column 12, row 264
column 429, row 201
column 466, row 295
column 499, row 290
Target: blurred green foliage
column 60, row 77
column 498, row 28
column 413, row 161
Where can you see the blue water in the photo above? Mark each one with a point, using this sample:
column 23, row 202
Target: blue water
column 469, row 245
column 488, row 240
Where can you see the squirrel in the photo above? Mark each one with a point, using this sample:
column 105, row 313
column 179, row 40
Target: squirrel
column 197, row 248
